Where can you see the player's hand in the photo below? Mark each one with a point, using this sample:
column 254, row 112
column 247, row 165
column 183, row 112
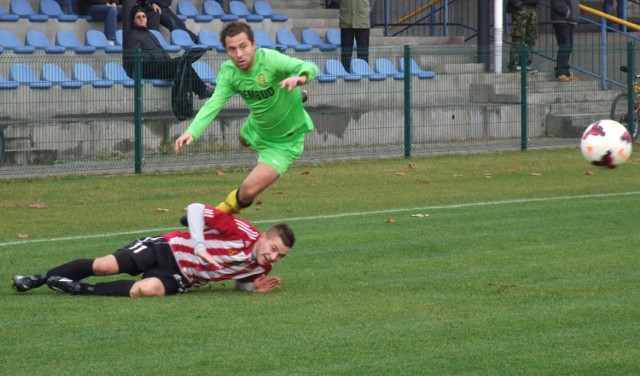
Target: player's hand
column 186, row 138
column 291, row 82
column 263, row 284
column 156, row 8
column 209, row 259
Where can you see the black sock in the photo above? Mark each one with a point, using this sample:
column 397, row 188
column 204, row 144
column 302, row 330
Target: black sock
column 115, row 288
column 75, row 270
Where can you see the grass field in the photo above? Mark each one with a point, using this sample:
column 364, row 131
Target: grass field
column 527, row 264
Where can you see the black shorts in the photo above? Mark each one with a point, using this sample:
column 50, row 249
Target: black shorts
column 152, row 257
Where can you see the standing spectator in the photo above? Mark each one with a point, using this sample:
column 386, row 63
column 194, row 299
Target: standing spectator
column 159, row 13
column 524, row 31
column 355, row 23
column 565, row 15
column 607, row 7
column 109, row 11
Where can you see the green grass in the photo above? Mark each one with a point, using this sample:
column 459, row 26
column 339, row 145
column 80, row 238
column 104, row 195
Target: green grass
column 526, row 265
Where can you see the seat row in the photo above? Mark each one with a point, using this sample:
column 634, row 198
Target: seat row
column 50, row 9
column 95, row 40
column 113, row 74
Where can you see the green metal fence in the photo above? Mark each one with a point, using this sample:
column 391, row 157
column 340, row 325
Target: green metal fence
column 462, row 108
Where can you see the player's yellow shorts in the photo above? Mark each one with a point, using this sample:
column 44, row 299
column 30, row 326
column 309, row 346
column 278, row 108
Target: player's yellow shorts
column 278, row 155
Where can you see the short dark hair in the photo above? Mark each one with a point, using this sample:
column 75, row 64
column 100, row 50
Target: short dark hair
column 284, row 232
column 234, row 28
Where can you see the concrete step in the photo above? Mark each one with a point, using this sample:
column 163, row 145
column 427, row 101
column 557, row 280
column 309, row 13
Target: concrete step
column 296, row 4
column 572, row 125
column 310, row 13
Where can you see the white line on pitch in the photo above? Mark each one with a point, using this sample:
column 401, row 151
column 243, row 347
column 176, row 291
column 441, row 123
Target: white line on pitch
column 329, row 216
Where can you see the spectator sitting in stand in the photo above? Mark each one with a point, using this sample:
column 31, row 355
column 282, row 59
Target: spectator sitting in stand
column 109, row 11
column 159, row 13
column 156, row 62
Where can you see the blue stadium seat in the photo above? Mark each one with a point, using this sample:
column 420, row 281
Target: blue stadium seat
column 119, row 38
column 8, row 84
column 38, row 40
column 116, row 73
column 286, row 38
column 24, row 75
column 321, row 76
column 333, row 36
column 214, row 9
column 182, row 39
column 204, row 71
column 240, row 9
column 23, row 9
column 163, row 42
column 9, row 41
column 87, row 75
column 69, row 41
column 210, row 39
column 6, row 17
column 334, row 68
column 310, row 36
column 415, row 70
column 385, row 66
column 263, row 40
column 52, row 10
column 97, row 39
column 54, row 74
column 187, row 9
column 361, row 67
column 264, row 9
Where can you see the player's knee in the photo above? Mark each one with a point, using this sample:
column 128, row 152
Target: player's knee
column 106, row 265
column 147, row 287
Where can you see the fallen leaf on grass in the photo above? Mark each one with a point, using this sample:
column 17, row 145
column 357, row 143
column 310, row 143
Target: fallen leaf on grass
column 487, row 175
column 399, row 173
column 420, row 215
column 424, row 182
column 37, row 205
column 305, row 173
column 390, row 220
column 258, row 201
column 220, row 173
column 457, row 175
column 410, row 166
column 536, row 174
column 278, row 193
column 22, row 236
column 588, row 173
column 163, row 210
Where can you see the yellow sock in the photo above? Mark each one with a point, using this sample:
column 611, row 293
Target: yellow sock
column 230, row 204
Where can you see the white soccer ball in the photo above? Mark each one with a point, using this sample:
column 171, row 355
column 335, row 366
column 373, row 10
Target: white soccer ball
column 606, row 143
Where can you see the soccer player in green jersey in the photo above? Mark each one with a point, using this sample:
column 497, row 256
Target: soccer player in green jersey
column 268, row 83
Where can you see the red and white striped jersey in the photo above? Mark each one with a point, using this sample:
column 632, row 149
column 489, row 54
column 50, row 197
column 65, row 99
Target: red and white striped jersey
column 230, row 240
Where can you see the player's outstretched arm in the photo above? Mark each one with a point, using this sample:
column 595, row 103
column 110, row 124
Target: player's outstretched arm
column 186, row 138
column 292, row 82
column 263, row 284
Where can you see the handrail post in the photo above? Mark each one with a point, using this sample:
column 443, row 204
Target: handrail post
column 407, row 101
column 524, row 114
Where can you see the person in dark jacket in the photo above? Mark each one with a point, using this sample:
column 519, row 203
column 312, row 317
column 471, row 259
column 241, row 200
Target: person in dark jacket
column 565, row 15
column 156, row 62
column 159, row 13
column 524, row 31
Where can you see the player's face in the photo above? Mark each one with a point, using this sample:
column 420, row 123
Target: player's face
column 140, row 19
column 241, row 51
column 270, row 250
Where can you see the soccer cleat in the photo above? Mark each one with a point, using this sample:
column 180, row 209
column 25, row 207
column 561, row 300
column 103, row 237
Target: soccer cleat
column 63, row 284
column 184, row 221
column 22, row 283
